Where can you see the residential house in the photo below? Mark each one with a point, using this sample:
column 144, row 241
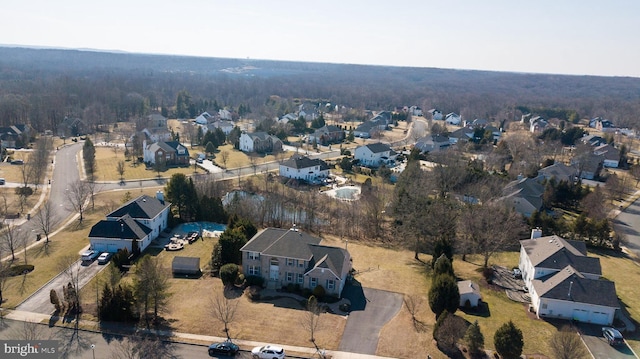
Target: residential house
column 610, row 155
column 225, row 126
column 469, row 294
column 288, row 117
column 171, row 153
column 432, row 143
column 463, row 134
column 415, row 111
column 260, row 142
column 453, row 119
column 141, row 220
column 288, row 256
column 435, row 114
column 593, row 140
column 588, row 165
column 537, row 124
column 564, row 282
column 14, row 136
column 304, row 168
column 225, row 114
column 559, row 172
column 375, row 155
column 378, row 123
column 203, row 118
column 327, row 134
column 497, row 134
column 524, row 195
column 308, row 111
column 72, row 126
column 602, row 125
column 156, row 129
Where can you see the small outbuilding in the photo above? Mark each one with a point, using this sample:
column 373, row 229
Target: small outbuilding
column 469, row 291
column 185, row 265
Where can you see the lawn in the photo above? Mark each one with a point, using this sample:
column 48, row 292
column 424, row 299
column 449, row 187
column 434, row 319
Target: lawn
column 107, row 161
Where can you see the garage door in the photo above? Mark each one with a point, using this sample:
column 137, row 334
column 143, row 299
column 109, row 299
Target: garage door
column 581, row 315
column 599, row 318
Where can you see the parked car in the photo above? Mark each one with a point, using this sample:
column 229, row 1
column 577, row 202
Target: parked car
column 17, row 162
column 268, row 352
column 517, row 274
column 2, row 181
column 613, row 336
column 225, row 348
column 89, row 255
column 104, row 258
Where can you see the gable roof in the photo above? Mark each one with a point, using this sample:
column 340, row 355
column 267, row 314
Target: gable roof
column 300, row 162
column 558, row 170
column 468, row 287
column 332, row 258
column 526, row 188
column 261, row 136
column 555, row 252
column 280, row 242
column 378, row 147
column 143, row 207
column 569, row 284
column 124, row 227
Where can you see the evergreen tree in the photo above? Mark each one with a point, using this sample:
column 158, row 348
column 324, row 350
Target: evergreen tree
column 443, row 266
column 474, row 339
column 508, row 341
column 444, row 294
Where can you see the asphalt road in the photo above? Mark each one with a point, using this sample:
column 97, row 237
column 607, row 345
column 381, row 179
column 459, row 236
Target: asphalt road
column 371, row 309
column 628, row 224
column 598, row 345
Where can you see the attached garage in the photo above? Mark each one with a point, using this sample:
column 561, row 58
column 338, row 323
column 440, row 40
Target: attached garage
column 185, row 266
column 581, row 315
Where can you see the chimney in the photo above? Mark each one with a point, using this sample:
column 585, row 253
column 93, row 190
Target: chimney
column 160, row 196
column 536, row 233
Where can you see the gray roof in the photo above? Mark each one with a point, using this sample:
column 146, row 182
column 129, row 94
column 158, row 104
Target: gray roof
column 559, row 170
column 143, row 207
column 570, row 285
column 467, row 286
column 554, row 252
column 526, row 188
column 182, row 263
column 379, row 147
column 280, row 242
column 300, row 162
column 331, row 258
column 260, row 135
column 123, row 228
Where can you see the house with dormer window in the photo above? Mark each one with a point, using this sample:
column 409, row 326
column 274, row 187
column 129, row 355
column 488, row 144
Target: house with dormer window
column 172, row 153
column 289, row 256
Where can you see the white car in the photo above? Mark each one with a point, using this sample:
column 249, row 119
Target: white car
column 268, row 352
column 104, row 258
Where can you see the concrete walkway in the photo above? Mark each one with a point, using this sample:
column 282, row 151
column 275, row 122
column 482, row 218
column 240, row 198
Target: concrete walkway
column 186, row 338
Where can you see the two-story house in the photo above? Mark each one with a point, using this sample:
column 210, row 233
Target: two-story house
column 375, row 155
column 141, row 220
column 327, row 134
column 289, row 256
column 564, row 282
column 304, row 168
column 171, row 153
column 259, row 142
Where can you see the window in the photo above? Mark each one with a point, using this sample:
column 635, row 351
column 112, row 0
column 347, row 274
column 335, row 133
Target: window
column 313, row 282
column 253, row 270
column 253, row 255
column 300, row 263
column 331, row 284
column 290, row 262
column 289, row 277
column 300, row 278
column 544, row 305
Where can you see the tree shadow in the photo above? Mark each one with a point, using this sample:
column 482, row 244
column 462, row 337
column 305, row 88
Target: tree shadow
column 232, row 292
column 73, row 342
column 482, row 310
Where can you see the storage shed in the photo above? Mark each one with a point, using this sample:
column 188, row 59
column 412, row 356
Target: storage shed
column 469, row 291
column 185, row 266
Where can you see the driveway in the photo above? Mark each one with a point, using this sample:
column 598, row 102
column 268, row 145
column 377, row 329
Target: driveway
column 598, row 346
column 370, row 310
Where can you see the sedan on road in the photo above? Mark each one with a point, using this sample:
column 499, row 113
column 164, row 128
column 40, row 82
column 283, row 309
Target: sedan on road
column 267, row 352
column 226, row 348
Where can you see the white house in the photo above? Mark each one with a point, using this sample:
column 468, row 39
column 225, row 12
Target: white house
column 224, row 126
column 564, row 282
column 141, row 220
column 259, row 142
column 304, row 168
column 453, row 119
column 432, row 143
column 203, row 118
column 537, row 124
column 469, row 291
column 224, row 114
column 375, row 154
column 436, row 114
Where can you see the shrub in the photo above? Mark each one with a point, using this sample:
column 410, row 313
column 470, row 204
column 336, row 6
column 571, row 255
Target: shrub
column 319, row 291
column 253, row 293
column 229, row 273
column 240, row 279
column 53, row 297
column 253, row 280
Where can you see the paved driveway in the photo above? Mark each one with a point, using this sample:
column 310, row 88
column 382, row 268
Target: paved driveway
column 370, row 310
column 598, row 346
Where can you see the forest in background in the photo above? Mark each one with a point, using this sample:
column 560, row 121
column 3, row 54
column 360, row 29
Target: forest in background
column 43, row 86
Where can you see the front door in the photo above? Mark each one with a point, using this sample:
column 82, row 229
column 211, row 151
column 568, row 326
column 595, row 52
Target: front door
column 274, row 269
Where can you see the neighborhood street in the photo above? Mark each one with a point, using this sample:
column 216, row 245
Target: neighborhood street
column 627, row 223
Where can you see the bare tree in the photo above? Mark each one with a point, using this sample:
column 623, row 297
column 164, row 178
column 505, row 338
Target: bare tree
column 69, row 266
column 310, row 320
column 253, row 159
column 12, row 239
column 566, row 344
column 4, row 275
column 224, row 310
column 141, row 346
column 77, row 195
column 120, row 168
column 46, row 219
column 29, row 330
column 224, row 157
column 413, row 303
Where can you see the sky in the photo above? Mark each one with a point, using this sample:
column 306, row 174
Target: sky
column 577, row 37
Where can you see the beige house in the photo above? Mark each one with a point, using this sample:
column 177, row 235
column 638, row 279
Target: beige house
column 288, row 256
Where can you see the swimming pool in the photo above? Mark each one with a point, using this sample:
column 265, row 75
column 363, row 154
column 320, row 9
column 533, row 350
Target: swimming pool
column 348, row 193
column 205, row 226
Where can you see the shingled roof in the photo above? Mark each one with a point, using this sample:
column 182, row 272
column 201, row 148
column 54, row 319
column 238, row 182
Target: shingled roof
column 570, row 284
column 331, row 258
column 143, row 207
column 123, row 228
column 278, row 242
column 300, row 162
column 554, row 252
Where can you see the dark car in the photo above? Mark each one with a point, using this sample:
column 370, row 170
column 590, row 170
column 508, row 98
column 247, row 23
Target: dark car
column 225, row 348
column 613, row 336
